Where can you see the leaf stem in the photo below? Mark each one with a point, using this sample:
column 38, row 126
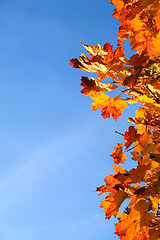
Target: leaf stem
column 119, row 133
column 132, row 147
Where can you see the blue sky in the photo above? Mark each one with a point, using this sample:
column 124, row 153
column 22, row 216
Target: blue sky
column 54, row 150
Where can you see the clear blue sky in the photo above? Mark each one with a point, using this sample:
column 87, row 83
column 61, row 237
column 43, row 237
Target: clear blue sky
column 54, row 151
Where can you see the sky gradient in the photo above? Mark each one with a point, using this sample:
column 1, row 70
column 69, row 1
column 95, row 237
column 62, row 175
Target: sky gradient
column 54, row 150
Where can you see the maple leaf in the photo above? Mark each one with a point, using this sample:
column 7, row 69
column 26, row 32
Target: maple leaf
column 118, row 155
column 145, row 138
column 135, row 225
column 112, row 203
column 119, row 169
column 155, row 157
column 155, row 203
column 135, row 175
column 104, row 61
column 91, row 86
column 104, row 189
column 137, row 156
column 130, row 81
column 154, row 234
column 109, row 106
column 138, row 60
column 111, row 182
column 130, row 136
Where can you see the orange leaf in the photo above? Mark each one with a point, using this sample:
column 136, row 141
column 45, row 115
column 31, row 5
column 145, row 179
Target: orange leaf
column 145, row 138
column 112, row 203
column 118, row 155
column 111, row 180
column 91, row 86
column 130, row 136
column 104, row 61
column 132, row 225
column 109, row 106
column 118, row 169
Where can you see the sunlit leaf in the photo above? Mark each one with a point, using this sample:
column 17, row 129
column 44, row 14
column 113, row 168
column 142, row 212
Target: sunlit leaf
column 118, row 154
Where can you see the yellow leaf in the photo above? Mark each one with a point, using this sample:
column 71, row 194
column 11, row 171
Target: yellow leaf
column 118, row 155
column 140, row 112
column 155, row 202
column 112, row 203
column 145, row 99
column 118, row 169
column 109, row 106
column 145, row 139
column 141, row 128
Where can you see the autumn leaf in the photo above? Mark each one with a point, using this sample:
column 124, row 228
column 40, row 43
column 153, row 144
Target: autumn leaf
column 135, row 225
column 111, row 180
column 130, row 136
column 103, row 61
column 141, row 129
column 145, row 138
column 137, row 156
column 91, row 87
column 135, row 175
column 112, row 203
column 109, row 106
column 138, row 60
column 155, row 202
column 119, row 169
column 130, row 81
column 118, row 155
column 155, row 157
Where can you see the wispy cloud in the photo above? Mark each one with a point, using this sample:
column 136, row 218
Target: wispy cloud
column 29, row 171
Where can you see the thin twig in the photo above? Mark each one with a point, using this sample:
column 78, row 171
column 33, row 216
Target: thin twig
column 156, row 99
column 132, row 147
column 119, row 133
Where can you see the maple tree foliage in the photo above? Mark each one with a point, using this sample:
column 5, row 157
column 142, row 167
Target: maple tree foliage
column 138, row 79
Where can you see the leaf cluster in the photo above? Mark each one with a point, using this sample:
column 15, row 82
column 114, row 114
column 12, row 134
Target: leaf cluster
column 134, row 80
